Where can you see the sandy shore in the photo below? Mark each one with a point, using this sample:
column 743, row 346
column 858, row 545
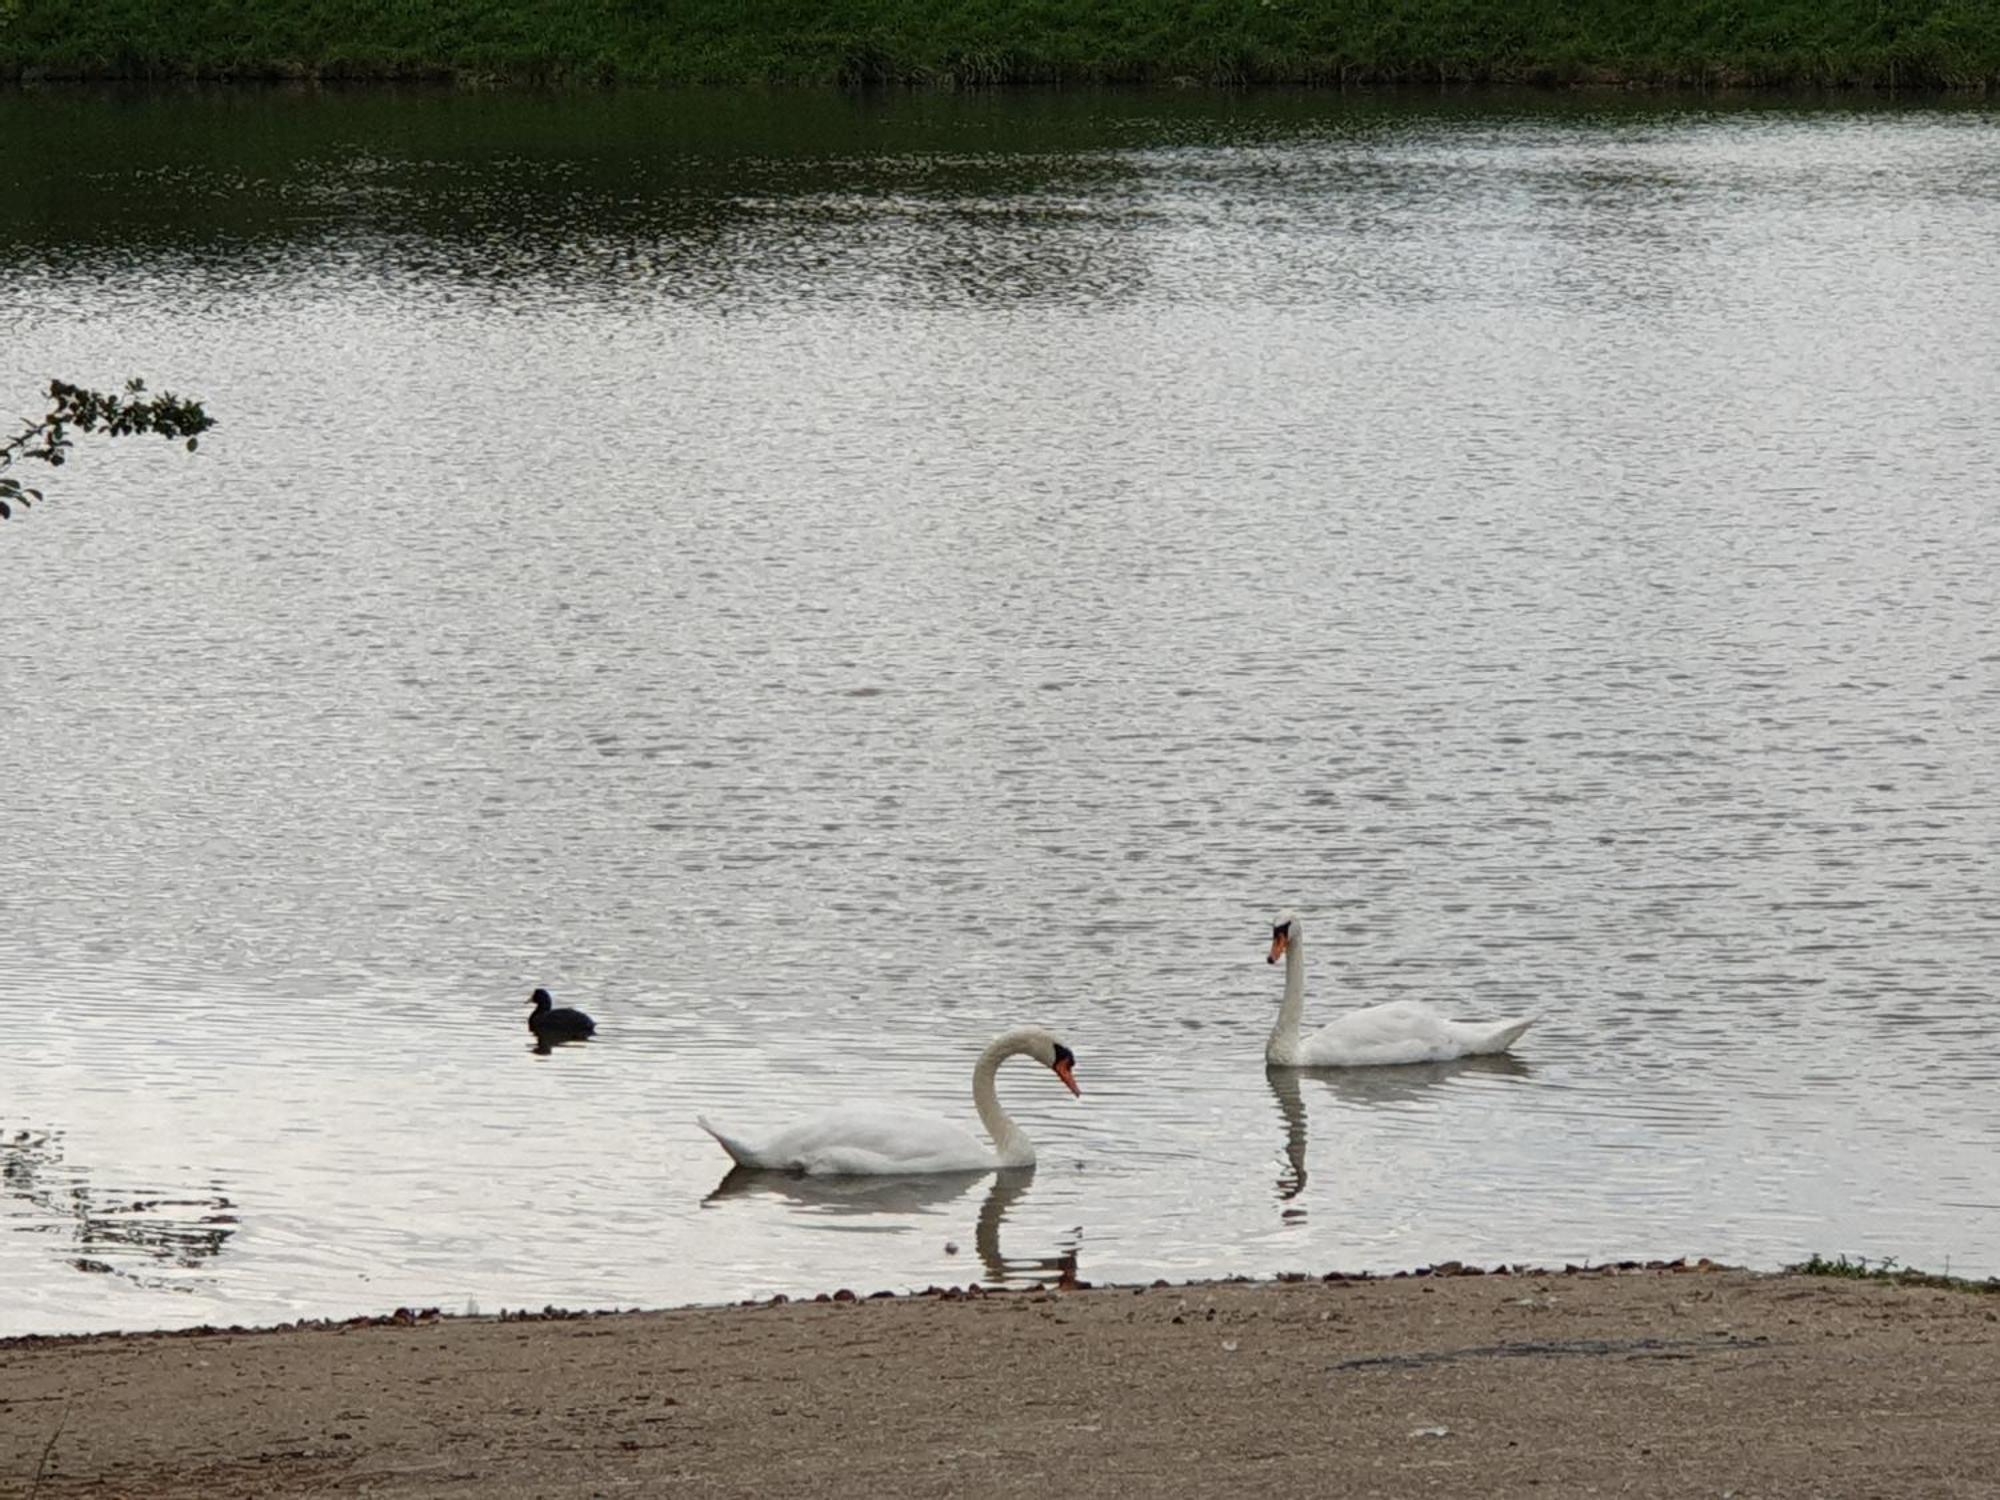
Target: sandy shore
column 1691, row 1382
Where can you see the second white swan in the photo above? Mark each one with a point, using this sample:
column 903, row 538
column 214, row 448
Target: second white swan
column 1402, row 1031
column 872, row 1141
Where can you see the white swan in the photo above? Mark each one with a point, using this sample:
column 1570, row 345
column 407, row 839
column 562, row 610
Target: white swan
column 868, row 1140
column 1402, row 1031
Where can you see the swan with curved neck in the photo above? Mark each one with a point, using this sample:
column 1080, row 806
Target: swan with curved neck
column 1402, row 1031
column 868, row 1140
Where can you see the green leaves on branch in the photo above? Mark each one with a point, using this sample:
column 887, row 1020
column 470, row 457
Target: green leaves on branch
column 73, row 409
column 13, row 493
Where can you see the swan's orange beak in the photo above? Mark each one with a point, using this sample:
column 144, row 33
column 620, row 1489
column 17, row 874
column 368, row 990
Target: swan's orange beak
column 1278, row 941
column 1065, row 1071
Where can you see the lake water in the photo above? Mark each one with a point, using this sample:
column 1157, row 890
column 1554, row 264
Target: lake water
column 817, row 582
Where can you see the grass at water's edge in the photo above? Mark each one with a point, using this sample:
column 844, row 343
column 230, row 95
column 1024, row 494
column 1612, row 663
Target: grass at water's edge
column 1890, row 1273
column 1913, row 44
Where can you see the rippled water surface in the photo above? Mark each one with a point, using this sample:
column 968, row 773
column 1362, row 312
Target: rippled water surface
column 817, row 582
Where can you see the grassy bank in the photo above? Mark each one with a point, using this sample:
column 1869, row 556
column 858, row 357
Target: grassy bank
column 1914, row 44
column 1890, row 1273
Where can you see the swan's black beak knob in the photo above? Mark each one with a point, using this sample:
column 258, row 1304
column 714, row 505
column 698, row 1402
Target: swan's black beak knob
column 1065, row 1068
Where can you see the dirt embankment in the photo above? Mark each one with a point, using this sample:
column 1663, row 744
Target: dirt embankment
column 1648, row 1383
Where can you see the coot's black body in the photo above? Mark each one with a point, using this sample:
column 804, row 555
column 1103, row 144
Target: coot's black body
column 558, row 1025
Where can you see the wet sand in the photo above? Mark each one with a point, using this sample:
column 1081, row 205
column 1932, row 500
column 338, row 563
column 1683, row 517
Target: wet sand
column 1683, row 1382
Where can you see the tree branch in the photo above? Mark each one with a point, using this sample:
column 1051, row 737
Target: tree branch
column 74, row 409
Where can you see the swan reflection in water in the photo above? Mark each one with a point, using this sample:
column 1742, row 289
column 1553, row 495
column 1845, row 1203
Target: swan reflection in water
column 1368, row 1088
column 145, row 1239
column 855, row 1195
column 871, row 1195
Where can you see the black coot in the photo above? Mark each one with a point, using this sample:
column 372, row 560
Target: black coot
column 558, row 1025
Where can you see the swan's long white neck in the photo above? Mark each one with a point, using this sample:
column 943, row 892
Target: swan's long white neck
column 1283, row 1047
column 1010, row 1142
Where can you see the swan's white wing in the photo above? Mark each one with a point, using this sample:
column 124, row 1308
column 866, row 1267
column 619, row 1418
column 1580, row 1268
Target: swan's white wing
column 863, row 1141
column 1404, row 1031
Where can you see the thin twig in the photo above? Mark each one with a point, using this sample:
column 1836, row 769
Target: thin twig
column 48, row 1448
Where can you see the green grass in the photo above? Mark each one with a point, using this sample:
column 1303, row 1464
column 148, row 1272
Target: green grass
column 1887, row 1270
column 1919, row 44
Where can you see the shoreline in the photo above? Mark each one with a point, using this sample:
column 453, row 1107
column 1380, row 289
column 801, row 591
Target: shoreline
column 1920, row 45
column 1716, row 81
column 1818, row 1267
column 1668, row 1379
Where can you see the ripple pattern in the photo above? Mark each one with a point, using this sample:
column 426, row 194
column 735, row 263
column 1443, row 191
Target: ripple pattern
column 815, row 592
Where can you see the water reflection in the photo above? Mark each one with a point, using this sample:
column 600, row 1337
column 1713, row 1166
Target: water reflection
column 1409, row 1083
column 1285, row 1089
column 1368, row 1088
column 104, row 1233
column 889, row 1197
column 506, row 198
column 849, row 593
column 845, row 1195
column 1056, row 1268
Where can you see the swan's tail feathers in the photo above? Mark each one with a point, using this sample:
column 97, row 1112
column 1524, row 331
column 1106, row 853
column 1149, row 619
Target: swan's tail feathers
column 1504, row 1035
column 742, row 1155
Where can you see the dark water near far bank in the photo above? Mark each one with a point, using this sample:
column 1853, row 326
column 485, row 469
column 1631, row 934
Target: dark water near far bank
column 817, row 582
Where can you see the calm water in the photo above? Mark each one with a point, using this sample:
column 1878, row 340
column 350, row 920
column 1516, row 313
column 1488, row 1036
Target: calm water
column 816, row 583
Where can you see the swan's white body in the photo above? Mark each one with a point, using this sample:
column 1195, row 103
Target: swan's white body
column 867, row 1140
column 1402, row 1031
